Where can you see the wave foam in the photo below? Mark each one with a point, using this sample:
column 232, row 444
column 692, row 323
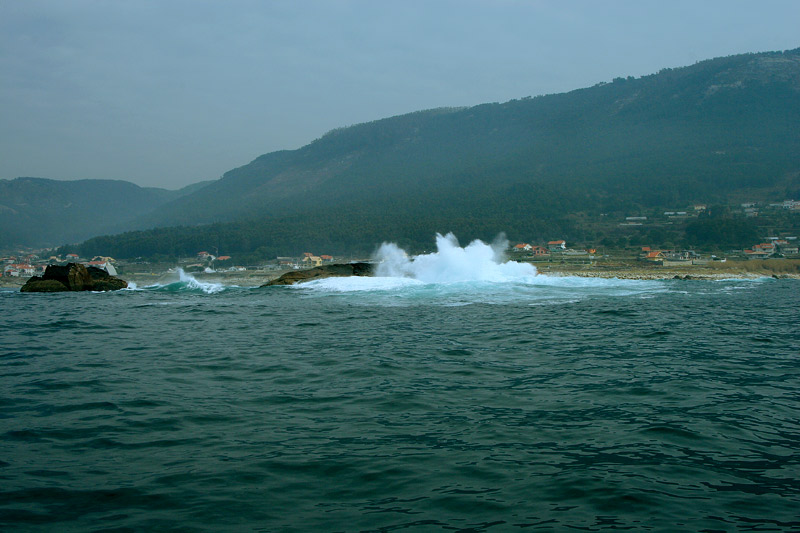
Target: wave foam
column 359, row 284
column 188, row 283
column 477, row 261
column 477, row 273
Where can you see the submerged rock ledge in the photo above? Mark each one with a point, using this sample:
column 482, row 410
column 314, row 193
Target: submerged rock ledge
column 73, row 277
column 327, row 271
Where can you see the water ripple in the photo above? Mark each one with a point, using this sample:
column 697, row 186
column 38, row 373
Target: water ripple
column 293, row 410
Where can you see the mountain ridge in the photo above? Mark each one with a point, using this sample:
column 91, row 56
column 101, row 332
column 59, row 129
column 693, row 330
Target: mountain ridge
column 46, row 212
column 720, row 129
column 689, row 105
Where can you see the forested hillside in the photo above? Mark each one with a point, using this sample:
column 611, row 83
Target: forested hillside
column 714, row 132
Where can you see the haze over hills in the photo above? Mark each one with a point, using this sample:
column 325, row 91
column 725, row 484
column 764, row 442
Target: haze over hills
column 45, row 212
column 719, row 131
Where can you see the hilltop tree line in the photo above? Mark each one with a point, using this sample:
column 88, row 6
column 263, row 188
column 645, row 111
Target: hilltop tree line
column 718, row 132
column 357, row 231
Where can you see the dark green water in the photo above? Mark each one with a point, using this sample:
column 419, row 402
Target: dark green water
column 574, row 404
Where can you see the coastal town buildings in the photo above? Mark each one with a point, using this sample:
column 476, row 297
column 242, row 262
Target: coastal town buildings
column 33, row 265
column 312, row 260
column 19, row 269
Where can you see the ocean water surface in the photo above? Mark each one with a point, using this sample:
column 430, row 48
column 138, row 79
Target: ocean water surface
column 496, row 401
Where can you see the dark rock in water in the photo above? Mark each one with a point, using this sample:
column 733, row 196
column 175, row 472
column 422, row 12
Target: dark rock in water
column 78, row 277
column 73, row 277
column 112, row 284
column 37, row 284
column 103, row 281
column 320, row 272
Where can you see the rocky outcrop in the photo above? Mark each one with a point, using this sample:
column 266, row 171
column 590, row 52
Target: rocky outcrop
column 326, row 271
column 103, row 281
column 73, row 277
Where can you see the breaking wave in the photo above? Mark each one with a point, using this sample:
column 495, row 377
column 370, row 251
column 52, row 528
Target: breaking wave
column 477, row 261
column 476, row 273
column 187, row 283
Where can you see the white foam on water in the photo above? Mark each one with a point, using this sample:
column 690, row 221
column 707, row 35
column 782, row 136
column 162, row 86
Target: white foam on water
column 194, row 284
column 477, row 261
column 760, row 279
column 476, row 273
column 186, row 283
column 358, row 284
column 609, row 285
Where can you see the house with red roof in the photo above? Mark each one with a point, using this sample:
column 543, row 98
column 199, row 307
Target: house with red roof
column 756, row 254
column 557, row 246
column 654, row 255
column 539, row 251
column 18, row 269
column 765, row 247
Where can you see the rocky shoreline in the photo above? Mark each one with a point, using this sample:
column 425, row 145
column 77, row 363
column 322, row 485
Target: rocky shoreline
column 783, row 269
column 258, row 279
column 321, row 272
column 73, row 277
column 745, row 270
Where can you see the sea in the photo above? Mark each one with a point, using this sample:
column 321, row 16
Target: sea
column 452, row 392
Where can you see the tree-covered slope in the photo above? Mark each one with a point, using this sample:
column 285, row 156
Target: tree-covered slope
column 717, row 132
column 697, row 133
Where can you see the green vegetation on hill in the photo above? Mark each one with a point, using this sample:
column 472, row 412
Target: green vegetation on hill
column 718, row 132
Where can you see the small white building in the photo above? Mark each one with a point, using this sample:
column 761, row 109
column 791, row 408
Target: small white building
column 19, row 269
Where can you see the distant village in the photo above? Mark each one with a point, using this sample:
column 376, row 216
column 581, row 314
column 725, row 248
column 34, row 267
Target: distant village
column 208, row 262
column 32, row 263
column 776, row 247
column 785, row 246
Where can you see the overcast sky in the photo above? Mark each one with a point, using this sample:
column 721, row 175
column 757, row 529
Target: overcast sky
column 171, row 92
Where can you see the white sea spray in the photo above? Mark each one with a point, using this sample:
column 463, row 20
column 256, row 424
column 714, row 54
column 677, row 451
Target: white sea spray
column 477, row 261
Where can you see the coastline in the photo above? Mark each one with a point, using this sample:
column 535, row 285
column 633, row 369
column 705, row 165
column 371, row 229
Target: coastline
column 782, row 269
column 719, row 271
column 749, row 269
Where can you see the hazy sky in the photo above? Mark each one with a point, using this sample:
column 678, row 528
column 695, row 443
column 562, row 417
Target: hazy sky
column 171, row 92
